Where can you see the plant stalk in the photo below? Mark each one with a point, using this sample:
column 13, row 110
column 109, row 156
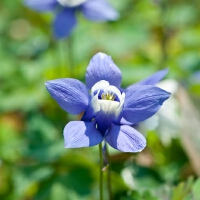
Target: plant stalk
column 108, row 175
column 70, row 56
column 100, row 172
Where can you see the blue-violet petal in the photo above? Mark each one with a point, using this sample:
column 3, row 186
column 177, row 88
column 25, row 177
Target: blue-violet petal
column 101, row 67
column 125, row 138
column 104, row 120
column 125, row 122
column 99, row 10
column 142, row 102
column 64, row 23
column 81, row 134
column 71, row 94
column 41, row 5
column 89, row 113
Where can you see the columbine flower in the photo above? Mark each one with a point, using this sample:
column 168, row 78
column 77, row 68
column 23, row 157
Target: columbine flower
column 65, row 19
column 104, row 106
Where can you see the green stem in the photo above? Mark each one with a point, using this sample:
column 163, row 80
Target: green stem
column 101, row 173
column 108, row 175
column 164, row 33
column 70, row 55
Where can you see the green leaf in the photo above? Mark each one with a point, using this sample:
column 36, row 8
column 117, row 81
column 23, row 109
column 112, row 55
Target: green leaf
column 182, row 189
column 196, row 189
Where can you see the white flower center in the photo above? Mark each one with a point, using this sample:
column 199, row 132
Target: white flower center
column 71, row 3
column 107, row 98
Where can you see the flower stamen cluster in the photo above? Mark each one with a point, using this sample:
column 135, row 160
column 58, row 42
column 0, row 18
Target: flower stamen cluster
column 108, row 96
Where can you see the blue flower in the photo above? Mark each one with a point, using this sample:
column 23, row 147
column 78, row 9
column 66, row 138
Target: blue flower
column 65, row 19
column 104, row 106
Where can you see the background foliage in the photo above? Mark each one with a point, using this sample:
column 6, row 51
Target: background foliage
column 150, row 35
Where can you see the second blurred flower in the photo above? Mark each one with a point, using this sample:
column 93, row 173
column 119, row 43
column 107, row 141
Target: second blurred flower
column 65, row 12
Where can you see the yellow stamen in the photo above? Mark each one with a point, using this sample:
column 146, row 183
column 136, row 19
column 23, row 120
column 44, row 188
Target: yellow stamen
column 108, row 96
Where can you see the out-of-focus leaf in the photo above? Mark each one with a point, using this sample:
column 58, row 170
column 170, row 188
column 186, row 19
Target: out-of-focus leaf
column 134, row 73
column 74, row 180
column 182, row 190
column 189, row 61
column 195, row 89
column 180, row 15
column 75, row 184
column 145, row 195
column 190, row 37
column 62, row 192
column 11, row 143
column 195, row 189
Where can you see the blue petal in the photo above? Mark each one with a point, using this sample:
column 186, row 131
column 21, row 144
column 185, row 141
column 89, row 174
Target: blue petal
column 104, row 120
column 64, row 23
column 41, row 5
column 101, row 67
column 71, row 94
column 81, row 134
column 125, row 138
column 88, row 114
column 99, row 10
column 141, row 102
column 151, row 80
column 125, row 122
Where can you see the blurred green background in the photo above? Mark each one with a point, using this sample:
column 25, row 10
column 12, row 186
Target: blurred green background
column 150, row 35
